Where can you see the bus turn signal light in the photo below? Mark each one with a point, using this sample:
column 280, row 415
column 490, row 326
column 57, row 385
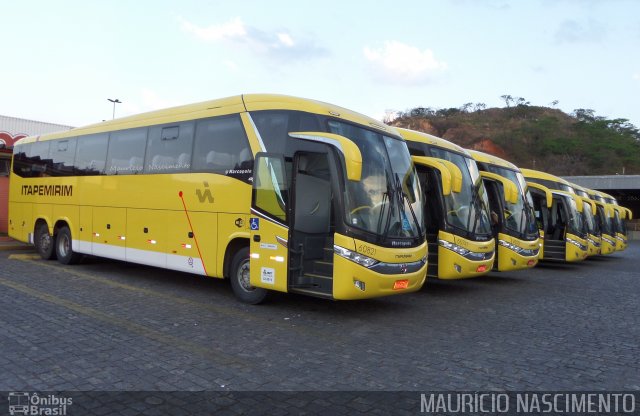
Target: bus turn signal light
column 401, row 284
column 481, row 268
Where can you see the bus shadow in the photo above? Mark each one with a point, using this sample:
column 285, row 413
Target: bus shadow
column 555, row 266
column 208, row 289
column 437, row 287
column 601, row 258
column 498, row 278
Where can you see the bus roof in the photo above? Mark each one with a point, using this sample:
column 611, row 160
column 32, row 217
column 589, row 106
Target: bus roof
column 579, row 188
column 491, row 159
column 530, row 173
column 418, row 136
column 221, row 106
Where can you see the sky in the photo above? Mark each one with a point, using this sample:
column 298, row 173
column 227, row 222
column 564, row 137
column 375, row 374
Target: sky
column 63, row 60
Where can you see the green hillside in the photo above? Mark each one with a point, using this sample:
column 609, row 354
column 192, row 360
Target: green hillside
column 535, row 137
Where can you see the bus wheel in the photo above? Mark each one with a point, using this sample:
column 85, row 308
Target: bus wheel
column 240, row 279
column 43, row 241
column 63, row 247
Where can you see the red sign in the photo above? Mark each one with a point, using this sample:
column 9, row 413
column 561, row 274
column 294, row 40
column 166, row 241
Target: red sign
column 9, row 139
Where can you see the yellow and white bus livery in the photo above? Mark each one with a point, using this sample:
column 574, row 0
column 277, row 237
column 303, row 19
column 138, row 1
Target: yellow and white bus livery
column 274, row 192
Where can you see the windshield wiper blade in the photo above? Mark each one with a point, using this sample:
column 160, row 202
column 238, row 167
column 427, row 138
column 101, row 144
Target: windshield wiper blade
column 385, row 200
column 475, row 192
column 404, row 197
column 390, row 198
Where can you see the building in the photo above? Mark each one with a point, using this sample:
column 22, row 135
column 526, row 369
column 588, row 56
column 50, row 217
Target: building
column 13, row 129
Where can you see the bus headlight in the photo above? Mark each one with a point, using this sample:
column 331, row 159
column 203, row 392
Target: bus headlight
column 466, row 253
column 520, row 250
column 354, row 257
column 576, row 243
column 453, row 247
column 510, row 246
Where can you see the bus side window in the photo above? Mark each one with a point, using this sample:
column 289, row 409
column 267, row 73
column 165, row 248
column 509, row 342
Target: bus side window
column 126, row 151
column 169, row 148
column 21, row 166
column 91, row 153
column 62, row 154
column 221, row 145
column 38, row 159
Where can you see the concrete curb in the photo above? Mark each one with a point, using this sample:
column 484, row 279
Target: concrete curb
column 7, row 243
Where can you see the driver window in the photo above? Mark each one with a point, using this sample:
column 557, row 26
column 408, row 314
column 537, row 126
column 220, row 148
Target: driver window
column 270, row 187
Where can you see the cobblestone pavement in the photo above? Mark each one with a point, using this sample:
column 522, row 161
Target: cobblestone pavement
column 111, row 326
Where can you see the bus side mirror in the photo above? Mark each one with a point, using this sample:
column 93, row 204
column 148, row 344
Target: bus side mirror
column 586, row 200
column 350, row 151
column 544, row 189
column 579, row 203
column 609, row 211
column 510, row 188
column 450, row 174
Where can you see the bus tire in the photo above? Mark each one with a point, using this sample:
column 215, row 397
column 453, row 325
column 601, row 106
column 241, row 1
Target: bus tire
column 240, row 279
column 64, row 252
column 44, row 242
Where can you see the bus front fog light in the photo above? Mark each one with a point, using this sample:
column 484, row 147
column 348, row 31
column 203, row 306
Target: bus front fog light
column 401, row 284
column 359, row 284
column 457, row 267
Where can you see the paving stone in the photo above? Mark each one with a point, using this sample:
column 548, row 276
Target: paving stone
column 111, row 326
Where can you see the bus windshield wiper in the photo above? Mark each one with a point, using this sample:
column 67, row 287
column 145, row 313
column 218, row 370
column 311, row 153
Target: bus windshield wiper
column 403, row 198
column 383, row 203
column 389, row 194
column 475, row 192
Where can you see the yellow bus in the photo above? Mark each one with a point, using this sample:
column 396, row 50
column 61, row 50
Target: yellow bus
column 560, row 220
column 273, row 192
column 456, row 212
column 619, row 214
column 590, row 217
column 514, row 222
column 604, row 223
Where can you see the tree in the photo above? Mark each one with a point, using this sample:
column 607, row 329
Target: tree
column 479, row 106
column 584, row 114
column 507, row 100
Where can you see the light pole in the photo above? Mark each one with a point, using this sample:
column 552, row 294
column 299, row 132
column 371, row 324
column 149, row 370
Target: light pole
column 116, row 101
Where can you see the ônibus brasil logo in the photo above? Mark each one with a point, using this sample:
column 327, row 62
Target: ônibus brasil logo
column 33, row 404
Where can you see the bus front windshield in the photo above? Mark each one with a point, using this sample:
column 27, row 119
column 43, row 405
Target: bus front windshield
column 619, row 223
column 589, row 220
column 387, row 200
column 605, row 221
column 466, row 210
column 518, row 217
column 576, row 226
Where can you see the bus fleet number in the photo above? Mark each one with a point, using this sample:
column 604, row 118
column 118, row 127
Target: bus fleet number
column 369, row 251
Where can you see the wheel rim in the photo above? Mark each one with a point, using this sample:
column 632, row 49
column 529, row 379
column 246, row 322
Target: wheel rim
column 45, row 241
column 244, row 277
column 63, row 245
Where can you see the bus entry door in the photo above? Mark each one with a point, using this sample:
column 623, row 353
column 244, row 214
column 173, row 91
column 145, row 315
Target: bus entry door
column 269, row 232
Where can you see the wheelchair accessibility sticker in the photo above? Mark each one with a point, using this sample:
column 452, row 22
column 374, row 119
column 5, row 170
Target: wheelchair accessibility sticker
column 254, row 223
